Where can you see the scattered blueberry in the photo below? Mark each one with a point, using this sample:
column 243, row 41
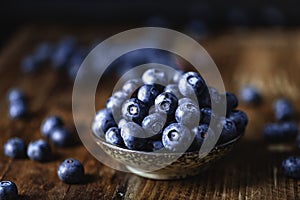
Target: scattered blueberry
column 147, row 93
column 280, row 132
column 15, row 148
column 291, row 167
column 250, row 95
column 29, row 64
column 283, row 109
column 71, row 171
column 113, row 136
column 177, row 138
column 43, row 52
column 8, row 190
column 39, row 150
column 17, row 109
column 15, row 94
column 49, row 123
column 134, row 110
column 133, row 136
column 102, row 122
column 188, row 114
column 61, row 136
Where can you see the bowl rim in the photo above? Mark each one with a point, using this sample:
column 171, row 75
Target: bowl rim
column 216, row 147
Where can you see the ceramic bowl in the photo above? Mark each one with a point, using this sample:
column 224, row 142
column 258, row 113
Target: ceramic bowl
column 164, row 166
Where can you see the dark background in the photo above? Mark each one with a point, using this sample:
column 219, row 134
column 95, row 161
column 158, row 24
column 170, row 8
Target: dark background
column 216, row 15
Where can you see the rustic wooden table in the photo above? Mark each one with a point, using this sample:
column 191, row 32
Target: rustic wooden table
column 269, row 59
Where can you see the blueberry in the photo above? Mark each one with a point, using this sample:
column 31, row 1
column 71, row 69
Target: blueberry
column 43, row 52
column 17, row 109
column 186, row 99
column 176, row 77
column 121, row 123
column 291, row 167
column 49, row 123
column 283, row 109
column 188, row 114
column 113, row 136
column 229, row 131
column 173, row 88
column 153, row 124
column 191, row 85
column 206, row 115
column 8, row 190
column 71, row 171
column 132, row 85
column 280, row 132
column 240, row 120
column 177, row 138
column 147, row 93
column 155, row 76
column 61, row 136
column 167, row 103
column 134, row 110
column 204, row 99
column 232, row 101
column 201, row 132
column 102, row 122
column 114, row 104
column 15, row 94
column 75, row 62
column 133, row 136
column 250, row 95
column 39, row 150
column 157, row 145
column 63, row 52
column 15, row 148
column 29, row 64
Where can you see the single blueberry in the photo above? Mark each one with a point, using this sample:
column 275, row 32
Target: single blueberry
column 71, row 171
column 29, row 64
column 49, row 123
column 43, row 52
column 177, row 138
column 153, row 124
column 283, row 109
column 134, row 110
column 133, row 136
column 191, row 85
column 229, row 131
column 188, row 114
column 280, row 132
column 39, row 150
column 17, row 109
column 8, row 190
column 61, row 136
column 15, row 94
column 167, row 103
column 102, row 122
column 232, row 101
column 155, row 76
column 157, row 145
column 291, row 167
column 250, row 95
column 15, row 148
column 147, row 93
column 113, row 136
column 239, row 118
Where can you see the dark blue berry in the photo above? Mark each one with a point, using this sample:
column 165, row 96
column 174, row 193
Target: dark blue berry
column 49, row 123
column 153, row 124
column 113, row 136
column 8, row 190
column 29, row 64
column 173, row 88
column 43, row 52
column 71, row 171
column 15, row 94
column 291, row 167
column 167, row 103
column 102, row 122
column 239, row 118
column 280, row 132
column 17, row 109
column 283, row 109
column 155, row 76
column 229, row 131
column 134, row 110
column 114, row 104
column 15, row 148
column 250, row 95
column 61, row 136
column 39, row 150
column 177, row 138
column 201, row 132
column 232, row 101
column 75, row 62
column 147, row 93
column 157, row 145
column 191, row 85
column 205, row 115
column 133, row 135
column 188, row 114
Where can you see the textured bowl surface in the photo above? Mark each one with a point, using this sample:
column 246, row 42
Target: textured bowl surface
column 164, row 166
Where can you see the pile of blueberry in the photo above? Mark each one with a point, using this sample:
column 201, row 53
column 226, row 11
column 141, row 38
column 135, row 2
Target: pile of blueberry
column 172, row 112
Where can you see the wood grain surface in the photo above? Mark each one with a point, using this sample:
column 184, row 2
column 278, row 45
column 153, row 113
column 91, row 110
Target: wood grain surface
column 269, row 59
